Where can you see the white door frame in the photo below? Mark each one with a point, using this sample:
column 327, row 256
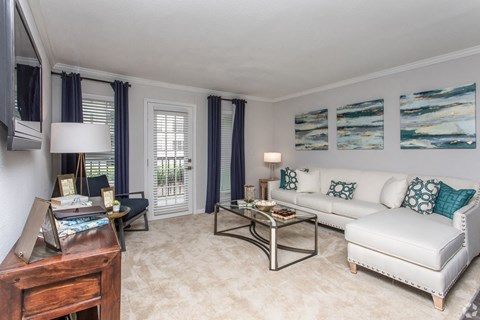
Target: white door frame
column 173, row 104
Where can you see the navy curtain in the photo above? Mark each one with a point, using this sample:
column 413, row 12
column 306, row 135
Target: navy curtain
column 28, row 92
column 237, row 164
column 71, row 112
column 213, row 173
column 121, row 137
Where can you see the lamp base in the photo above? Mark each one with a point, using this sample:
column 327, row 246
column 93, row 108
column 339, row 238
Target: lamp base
column 272, row 171
column 81, row 168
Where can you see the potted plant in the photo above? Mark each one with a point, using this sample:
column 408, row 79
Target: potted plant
column 116, row 206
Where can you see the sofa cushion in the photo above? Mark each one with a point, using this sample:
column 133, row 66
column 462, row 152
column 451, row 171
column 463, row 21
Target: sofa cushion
column 355, row 208
column 341, row 189
column 308, row 181
column 450, row 200
column 315, row 201
column 421, row 195
column 289, row 196
column 402, row 233
column 282, row 179
column 393, row 192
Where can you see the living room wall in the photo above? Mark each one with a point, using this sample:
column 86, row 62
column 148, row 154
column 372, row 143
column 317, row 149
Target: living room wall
column 447, row 162
column 258, row 130
column 25, row 175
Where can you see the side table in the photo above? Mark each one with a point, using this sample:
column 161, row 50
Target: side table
column 264, row 187
column 124, row 210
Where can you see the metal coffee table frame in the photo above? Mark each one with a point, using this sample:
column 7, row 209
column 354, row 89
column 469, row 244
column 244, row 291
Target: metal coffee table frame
column 268, row 246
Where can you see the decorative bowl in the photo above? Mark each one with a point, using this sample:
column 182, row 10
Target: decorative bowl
column 264, row 205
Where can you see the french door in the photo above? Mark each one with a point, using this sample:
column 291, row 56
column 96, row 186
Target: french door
column 169, row 165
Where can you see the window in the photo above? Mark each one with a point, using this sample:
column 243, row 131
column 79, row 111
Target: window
column 100, row 110
column 226, row 151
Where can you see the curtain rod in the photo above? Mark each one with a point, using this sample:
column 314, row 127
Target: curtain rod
column 91, row 79
column 231, row 100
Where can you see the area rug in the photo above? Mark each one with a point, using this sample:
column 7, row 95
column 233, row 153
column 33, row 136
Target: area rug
column 180, row 270
column 472, row 310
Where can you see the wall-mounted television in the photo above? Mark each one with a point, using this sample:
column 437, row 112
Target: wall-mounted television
column 21, row 109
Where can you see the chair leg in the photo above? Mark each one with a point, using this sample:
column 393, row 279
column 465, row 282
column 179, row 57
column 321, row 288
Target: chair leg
column 146, row 221
column 353, row 267
column 438, row 302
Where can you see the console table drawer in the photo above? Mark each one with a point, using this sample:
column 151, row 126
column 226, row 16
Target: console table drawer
column 63, row 293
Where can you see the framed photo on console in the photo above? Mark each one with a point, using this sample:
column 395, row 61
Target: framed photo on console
column 66, row 184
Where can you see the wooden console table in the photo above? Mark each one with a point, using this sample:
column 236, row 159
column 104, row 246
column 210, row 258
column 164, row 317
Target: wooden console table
column 85, row 279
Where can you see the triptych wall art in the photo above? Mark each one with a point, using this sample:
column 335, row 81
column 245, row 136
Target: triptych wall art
column 311, row 130
column 360, row 126
column 438, row 119
column 434, row 119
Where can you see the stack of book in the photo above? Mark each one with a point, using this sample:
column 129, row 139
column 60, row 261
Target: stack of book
column 75, row 213
column 244, row 204
column 72, row 226
column 284, row 213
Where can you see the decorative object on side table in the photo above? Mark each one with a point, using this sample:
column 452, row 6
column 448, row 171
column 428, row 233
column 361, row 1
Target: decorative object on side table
column 81, row 138
column 108, row 196
column 116, row 206
column 272, row 158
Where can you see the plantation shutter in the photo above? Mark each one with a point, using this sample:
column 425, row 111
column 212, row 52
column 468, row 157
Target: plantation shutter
column 226, row 151
column 100, row 111
column 170, row 149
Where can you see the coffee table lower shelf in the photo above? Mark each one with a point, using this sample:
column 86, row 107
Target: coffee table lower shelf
column 269, row 246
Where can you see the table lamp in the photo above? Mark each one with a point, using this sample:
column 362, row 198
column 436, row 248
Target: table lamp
column 81, row 138
column 272, row 158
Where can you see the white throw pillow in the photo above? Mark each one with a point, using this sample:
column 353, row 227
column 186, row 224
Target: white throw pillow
column 308, row 181
column 393, row 192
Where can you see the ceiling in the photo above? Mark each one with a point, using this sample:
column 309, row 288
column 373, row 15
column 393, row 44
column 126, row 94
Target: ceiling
column 263, row 48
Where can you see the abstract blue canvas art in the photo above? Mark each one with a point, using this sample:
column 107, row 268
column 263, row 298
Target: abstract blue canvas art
column 311, row 130
column 438, row 119
column 360, row 126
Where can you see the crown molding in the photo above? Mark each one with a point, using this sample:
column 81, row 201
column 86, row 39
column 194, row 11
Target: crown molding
column 107, row 76
column 406, row 67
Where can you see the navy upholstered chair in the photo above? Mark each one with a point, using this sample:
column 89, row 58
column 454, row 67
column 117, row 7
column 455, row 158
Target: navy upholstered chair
column 135, row 200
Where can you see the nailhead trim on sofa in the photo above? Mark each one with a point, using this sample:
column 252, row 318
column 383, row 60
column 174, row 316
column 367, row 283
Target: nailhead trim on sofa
column 428, row 290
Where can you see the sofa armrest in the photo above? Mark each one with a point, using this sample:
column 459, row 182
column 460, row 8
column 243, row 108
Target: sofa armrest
column 272, row 185
column 467, row 219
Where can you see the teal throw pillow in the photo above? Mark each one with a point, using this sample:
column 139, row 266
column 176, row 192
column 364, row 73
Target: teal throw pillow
column 282, row 179
column 342, row 189
column 421, row 195
column 450, row 200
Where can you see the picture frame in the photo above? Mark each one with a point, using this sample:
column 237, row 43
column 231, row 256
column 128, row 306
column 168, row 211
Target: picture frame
column 108, row 196
column 40, row 218
column 66, row 184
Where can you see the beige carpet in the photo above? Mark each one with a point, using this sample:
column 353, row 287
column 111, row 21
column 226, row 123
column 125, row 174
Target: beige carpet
column 180, row 270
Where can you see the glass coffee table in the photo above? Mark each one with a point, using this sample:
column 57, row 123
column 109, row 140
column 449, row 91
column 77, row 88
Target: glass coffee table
column 269, row 246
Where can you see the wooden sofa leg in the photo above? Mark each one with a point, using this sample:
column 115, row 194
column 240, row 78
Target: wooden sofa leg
column 438, row 302
column 353, row 267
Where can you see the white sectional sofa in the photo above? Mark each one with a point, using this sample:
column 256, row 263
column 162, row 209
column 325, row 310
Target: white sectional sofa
column 429, row 252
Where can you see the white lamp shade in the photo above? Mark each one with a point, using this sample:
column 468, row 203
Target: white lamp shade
column 71, row 137
column 272, row 157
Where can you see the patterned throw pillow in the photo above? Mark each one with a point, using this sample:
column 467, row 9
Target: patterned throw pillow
column 450, row 200
column 290, row 179
column 421, row 195
column 342, row 189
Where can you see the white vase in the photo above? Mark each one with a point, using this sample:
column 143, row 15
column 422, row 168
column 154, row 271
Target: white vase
column 116, row 208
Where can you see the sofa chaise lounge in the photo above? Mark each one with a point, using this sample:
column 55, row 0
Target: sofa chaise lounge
column 426, row 251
